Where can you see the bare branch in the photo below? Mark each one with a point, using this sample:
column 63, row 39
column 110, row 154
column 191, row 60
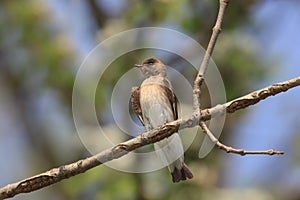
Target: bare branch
column 250, row 99
column 58, row 174
column 210, row 48
column 228, row 149
column 230, row 106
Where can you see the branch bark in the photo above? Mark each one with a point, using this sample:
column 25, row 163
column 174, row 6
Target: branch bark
column 210, row 48
column 58, row 174
column 63, row 172
column 228, row 149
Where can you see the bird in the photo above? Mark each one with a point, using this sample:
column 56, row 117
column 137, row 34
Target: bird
column 155, row 104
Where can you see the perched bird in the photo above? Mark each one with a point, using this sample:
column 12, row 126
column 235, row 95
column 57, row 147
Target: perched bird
column 155, row 104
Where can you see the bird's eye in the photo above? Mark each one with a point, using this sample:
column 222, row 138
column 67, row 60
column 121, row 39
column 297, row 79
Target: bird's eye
column 150, row 63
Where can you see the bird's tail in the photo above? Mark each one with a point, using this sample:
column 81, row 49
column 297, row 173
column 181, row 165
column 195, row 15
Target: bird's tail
column 181, row 174
column 170, row 151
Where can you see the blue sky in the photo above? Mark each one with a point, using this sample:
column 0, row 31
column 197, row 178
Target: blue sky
column 269, row 124
column 273, row 123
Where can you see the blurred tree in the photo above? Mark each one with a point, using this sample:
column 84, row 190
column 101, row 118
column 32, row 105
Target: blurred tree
column 36, row 61
column 36, row 65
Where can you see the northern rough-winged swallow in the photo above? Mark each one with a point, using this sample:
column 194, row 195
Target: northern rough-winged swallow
column 155, row 104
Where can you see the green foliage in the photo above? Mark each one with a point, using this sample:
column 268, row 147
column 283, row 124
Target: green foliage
column 240, row 66
column 40, row 52
column 39, row 58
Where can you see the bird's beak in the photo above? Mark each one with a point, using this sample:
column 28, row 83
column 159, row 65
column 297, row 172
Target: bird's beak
column 138, row 65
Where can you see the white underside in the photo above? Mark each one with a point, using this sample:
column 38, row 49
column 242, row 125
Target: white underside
column 169, row 150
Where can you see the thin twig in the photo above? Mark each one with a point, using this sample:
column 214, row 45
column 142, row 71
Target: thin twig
column 58, row 174
column 204, row 64
column 228, row 149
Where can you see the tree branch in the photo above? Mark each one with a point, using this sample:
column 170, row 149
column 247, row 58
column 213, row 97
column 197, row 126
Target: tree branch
column 210, row 48
column 228, row 149
column 58, row 174
column 250, row 99
column 230, row 106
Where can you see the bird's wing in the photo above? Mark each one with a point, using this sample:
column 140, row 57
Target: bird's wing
column 173, row 101
column 135, row 103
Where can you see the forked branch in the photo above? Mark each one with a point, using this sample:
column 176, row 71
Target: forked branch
column 63, row 172
column 58, row 174
column 228, row 149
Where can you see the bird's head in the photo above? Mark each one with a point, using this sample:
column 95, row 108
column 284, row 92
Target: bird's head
column 152, row 67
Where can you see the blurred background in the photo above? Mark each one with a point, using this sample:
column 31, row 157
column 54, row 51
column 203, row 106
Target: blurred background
column 43, row 43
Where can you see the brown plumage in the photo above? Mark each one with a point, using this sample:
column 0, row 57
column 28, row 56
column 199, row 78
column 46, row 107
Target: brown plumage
column 136, row 106
column 156, row 89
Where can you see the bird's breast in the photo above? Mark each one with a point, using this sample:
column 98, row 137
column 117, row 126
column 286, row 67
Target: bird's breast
column 153, row 94
column 156, row 107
